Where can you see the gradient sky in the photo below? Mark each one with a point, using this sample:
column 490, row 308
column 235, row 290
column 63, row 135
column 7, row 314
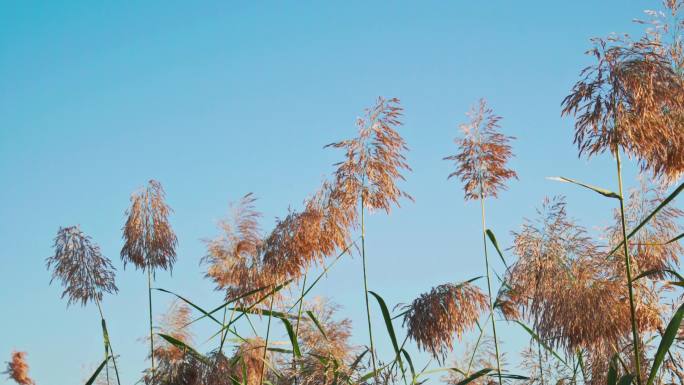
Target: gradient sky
column 217, row 99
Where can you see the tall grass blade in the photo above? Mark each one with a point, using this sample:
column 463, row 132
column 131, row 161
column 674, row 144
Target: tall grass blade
column 492, row 239
column 602, row 191
column 390, row 328
column 92, row 378
column 318, row 324
column 665, row 343
column 184, row 347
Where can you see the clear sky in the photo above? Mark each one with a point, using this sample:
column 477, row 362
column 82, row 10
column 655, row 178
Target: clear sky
column 217, row 99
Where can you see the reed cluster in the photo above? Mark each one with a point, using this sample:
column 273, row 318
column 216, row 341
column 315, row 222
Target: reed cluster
column 593, row 303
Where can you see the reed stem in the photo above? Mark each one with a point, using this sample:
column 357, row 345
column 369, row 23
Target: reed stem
column 296, row 335
column 108, row 344
column 149, row 298
column 489, row 285
column 268, row 332
column 365, row 288
column 628, row 267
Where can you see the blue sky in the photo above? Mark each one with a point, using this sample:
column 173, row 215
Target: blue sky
column 217, row 99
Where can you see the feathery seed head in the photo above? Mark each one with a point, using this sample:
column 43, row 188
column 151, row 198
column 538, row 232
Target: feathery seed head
column 375, row 159
column 484, row 152
column 18, row 369
column 150, row 242
column 80, row 266
column 433, row 318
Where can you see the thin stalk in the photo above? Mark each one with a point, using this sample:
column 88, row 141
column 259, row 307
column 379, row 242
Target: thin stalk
column 365, row 289
column 628, row 267
column 149, row 298
column 299, row 317
column 541, row 368
column 108, row 344
column 477, row 345
column 223, row 337
column 489, row 285
column 268, row 331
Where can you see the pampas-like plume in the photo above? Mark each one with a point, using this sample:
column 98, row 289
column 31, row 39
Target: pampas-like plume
column 560, row 273
column 327, row 353
column 375, row 158
column 476, row 357
column 174, row 323
column 234, row 257
column 80, row 266
column 483, row 154
column 150, row 242
column 434, row 318
column 18, row 369
column 633, row 99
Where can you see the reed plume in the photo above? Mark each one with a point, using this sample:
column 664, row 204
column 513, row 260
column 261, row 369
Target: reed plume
column 560, row 273
column 173, row 363
column 85, row 274
column 481, row 164
column 374, row 162
column 18, row 369
column 433, row 318
column 149, row 240
column 326, row 352
column 234, row 257
column 80, row 267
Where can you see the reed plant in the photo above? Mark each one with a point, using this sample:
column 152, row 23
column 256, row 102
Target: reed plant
column 149, row 240
column 481, row 164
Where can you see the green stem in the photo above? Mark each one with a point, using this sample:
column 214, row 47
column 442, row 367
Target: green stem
column 299, row 317
column 489, row 285
column 149, row 298
column 268, row 332
column 108, row 344
column 365, row 289
column 628, row 268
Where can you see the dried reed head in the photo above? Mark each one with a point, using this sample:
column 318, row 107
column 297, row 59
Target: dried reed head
column 433, row 318
column 649, row 248
column 552, row 370
column 234, row 257
column 326, row 357
column 80, row 266
column 307, row 237
column 249, row 358
column 481, row 162
column 150, row 242
column 560, row 274
column 632, row 98
column 375, row 159
column 174, row 323
column 18, row 369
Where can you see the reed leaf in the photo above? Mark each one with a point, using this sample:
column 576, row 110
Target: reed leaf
column 602, row 191
column 92, row 378
column 665, row 343
column 492, row 239
column 184, row 347
column 543, row 344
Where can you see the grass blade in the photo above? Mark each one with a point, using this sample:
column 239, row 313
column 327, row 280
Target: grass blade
column 492, row 239
column 665, row 343
column 602, row 191
column 92, row 378
column 318, row 324
column 390, row 328
column 184, row 347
